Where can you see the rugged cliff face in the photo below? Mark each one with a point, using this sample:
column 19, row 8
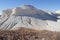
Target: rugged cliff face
column 28, row 16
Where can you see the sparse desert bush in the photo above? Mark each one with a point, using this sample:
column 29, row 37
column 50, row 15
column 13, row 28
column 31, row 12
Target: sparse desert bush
column 28, row 34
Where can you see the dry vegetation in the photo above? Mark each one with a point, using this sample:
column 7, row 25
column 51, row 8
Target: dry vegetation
column 28, row 34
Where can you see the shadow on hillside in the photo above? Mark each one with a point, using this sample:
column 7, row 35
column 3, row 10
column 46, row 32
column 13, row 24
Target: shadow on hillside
column 46, row 16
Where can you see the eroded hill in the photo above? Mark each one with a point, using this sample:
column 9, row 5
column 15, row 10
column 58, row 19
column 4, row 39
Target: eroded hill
column 28, row 16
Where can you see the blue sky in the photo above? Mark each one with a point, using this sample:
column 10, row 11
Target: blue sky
column 51, row 5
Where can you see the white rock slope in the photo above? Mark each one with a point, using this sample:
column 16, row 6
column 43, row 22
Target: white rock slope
column 29, row 17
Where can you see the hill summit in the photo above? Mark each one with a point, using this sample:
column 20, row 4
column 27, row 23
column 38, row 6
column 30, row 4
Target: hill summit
column 29, row 17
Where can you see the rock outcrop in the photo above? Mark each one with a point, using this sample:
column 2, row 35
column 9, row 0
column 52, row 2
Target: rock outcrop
column 6, row 12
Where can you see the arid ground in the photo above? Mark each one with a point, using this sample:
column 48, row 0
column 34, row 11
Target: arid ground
column 28, row 34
